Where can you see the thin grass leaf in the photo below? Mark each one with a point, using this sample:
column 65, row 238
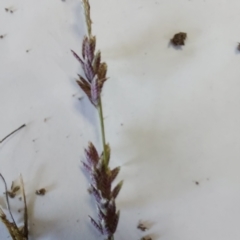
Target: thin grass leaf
column 25, row 228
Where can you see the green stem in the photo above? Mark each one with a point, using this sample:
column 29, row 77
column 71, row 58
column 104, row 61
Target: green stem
column 100, row 111
column 110, row 238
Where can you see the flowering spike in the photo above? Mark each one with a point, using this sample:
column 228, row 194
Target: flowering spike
column 87, row 167
column 85, row 40
column 97, row 226
column 114, row 173
column 92, row 154
column 117, row 189
column 102, row 71
column 115, row 221
column 95, row 91
column 96, row 194
column 96, row 61
column 92, row 45
column 77, row 57
column 88, row 70
column 85, row 86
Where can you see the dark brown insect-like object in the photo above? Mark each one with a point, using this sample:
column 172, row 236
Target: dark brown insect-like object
column 12, row 193
column 179, row 39
column 142, row 227
column 41, row 192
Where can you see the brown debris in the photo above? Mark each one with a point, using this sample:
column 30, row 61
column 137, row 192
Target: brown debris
column 41, row 192
column 179, row 39
column 142, row 227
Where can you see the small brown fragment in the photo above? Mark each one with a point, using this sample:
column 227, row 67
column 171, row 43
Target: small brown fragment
column 146, row 238
column 41, row 192
column 15, row 189
column 142, row 227
column 11, row 194
column 179, row 39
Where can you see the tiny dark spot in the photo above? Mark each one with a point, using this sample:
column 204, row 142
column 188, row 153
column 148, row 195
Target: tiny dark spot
column 28, row 50
column 197, row 183
column 10, row 9
column 78, row 220
column 19, row 210
column 46, row 119
column 20, row 198
column 121, row 124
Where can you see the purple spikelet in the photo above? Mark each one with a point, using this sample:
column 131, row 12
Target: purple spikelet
column 101, row 184
column 95, row 71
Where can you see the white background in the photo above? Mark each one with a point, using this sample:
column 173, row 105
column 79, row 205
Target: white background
column 172, row 116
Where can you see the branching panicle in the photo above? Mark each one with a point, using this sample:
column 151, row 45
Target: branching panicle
column 97, row 166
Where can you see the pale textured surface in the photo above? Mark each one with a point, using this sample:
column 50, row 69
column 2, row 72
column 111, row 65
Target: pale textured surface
column 179, row 110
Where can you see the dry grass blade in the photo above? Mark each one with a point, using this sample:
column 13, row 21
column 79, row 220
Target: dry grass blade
column 7, row 199
column 24, row 125
column 25, row 229
column 15, row 232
